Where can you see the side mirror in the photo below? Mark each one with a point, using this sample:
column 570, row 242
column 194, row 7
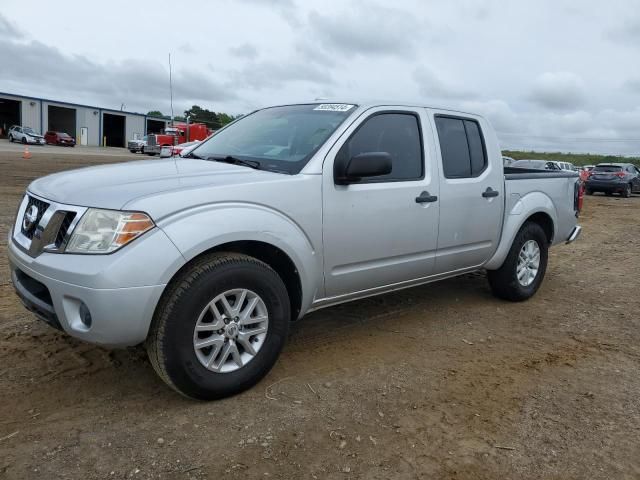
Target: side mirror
column 367, row 164
column 166, row 152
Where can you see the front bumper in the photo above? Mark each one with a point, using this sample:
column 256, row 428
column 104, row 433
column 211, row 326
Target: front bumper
column 35, row 141
column 120, row 291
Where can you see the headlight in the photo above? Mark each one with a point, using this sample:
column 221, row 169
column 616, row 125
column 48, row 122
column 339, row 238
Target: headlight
column 105, row 231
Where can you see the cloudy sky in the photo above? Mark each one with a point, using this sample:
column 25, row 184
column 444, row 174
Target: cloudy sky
column 549, row 74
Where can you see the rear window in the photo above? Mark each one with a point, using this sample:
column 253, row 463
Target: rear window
column 607, row 168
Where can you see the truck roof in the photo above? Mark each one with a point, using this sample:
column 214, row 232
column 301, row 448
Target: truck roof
column 369, row 103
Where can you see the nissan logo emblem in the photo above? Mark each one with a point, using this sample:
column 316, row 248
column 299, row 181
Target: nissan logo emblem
column 30, row 217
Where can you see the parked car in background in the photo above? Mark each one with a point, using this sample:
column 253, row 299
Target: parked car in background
column 207, row 260
column 176, row 134
column 25, row 135
column 507, row 161
column 137, row 145
column 585, row 171
column 59, row 138
column 536, row 164
column 178, row 150
column 610, row 178
column 568, row 166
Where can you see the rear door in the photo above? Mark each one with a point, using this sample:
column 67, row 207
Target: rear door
column 471, row 191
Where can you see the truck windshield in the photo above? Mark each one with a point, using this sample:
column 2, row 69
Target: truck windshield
column 277, row 138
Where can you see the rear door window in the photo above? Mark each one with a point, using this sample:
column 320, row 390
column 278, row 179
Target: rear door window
column 462, row 147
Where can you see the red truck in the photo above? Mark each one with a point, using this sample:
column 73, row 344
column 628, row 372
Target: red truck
column 176, row 134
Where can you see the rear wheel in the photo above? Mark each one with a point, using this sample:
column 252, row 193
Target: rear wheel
column 608, row 194
column 142, row 150
column 588, row 191
column 626, row 193
column 220, row 326
column 523, row 270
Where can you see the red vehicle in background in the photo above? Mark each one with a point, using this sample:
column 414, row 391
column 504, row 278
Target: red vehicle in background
column 176, row 134
column 59, row 138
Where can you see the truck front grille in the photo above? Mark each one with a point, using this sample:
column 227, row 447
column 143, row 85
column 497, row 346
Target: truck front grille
column 41, row 208
column 64, row 229
column 46, row 229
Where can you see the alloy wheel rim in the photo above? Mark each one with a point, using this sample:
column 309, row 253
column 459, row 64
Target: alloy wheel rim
column 231, row 330
column 528, row 263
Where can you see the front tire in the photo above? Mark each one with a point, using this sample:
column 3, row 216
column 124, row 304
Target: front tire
column 523, row 270
column 24, row 140
column 11, row 138
column 203, row 343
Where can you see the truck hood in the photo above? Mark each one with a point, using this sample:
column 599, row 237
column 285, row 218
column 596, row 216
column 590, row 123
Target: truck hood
column 113, row 186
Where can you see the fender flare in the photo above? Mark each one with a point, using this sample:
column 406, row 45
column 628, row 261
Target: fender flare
column 197, row 230
column 522, row 210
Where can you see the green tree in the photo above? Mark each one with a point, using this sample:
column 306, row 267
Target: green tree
column 202, row 115
column 155, row 113
column 225, row 118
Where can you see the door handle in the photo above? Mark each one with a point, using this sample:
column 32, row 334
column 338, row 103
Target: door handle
column 426, row 198
column 489, row 192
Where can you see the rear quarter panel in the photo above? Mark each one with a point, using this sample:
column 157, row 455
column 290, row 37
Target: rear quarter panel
column 525, row 197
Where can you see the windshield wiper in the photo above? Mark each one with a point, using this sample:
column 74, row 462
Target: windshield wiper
column 236, row 161
column 193, row 155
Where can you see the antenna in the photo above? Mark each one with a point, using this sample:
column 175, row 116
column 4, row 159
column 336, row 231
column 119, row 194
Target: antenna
column 170, row 90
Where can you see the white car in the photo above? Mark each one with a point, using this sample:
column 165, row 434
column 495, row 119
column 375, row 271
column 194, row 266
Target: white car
column 566, row 166
column 25, row 135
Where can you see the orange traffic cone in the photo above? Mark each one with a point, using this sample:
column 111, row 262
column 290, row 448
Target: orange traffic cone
column 26, row 154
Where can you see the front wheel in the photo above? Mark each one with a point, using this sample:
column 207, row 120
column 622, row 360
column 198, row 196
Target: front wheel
column 24, row 140
column 11, row 138
column 220, row 326
column 522, row 272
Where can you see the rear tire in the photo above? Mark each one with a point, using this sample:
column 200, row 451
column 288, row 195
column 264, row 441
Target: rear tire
column 588, row 191
column 626, row 193
column 505, row 282
column 171, row 343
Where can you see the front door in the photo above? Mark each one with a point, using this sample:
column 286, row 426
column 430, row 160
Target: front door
column 471, row 192
column 382, row 230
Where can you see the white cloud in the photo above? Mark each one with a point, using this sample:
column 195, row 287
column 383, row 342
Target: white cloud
column 559, row 91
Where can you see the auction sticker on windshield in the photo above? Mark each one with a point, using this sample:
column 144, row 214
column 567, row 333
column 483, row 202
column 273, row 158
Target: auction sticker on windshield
column 334, row 107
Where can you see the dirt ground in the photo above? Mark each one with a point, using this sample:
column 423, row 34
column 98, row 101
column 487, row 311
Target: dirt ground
column 440, row 381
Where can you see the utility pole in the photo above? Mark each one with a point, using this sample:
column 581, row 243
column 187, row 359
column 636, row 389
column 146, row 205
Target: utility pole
column 170, row 90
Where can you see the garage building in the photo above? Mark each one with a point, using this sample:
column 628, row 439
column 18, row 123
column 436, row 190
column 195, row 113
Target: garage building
column 89, row 125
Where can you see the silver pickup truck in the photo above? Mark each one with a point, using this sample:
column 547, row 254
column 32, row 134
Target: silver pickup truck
column 207, row 259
